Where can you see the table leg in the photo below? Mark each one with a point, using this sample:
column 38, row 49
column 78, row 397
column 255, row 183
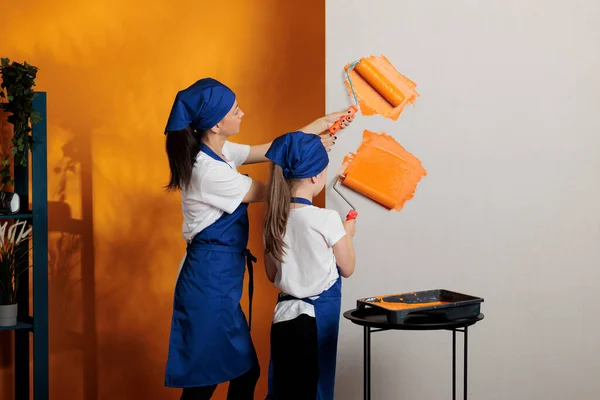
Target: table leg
column 466, row 333
column 367, row 366
column 453, row 364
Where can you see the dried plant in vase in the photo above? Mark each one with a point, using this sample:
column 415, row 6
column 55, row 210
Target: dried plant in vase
column 14, row 260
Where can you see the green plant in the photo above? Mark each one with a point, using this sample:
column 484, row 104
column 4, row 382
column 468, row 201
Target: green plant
column 18, row 81
column 13, row 260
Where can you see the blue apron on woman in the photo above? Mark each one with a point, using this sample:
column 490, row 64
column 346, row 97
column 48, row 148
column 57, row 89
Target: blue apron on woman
column 327, row 314
column 210, row 339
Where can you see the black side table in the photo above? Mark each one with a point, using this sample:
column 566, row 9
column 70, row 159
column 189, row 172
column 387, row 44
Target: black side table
column 374, row 321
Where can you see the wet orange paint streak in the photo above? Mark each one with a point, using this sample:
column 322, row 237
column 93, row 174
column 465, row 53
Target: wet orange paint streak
column 407, row 306
column 380, row 88
column 383, row 170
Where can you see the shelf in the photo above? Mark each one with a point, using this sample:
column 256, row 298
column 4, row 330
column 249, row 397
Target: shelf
column 26, row 324
column 31, row 355
column 21, row 215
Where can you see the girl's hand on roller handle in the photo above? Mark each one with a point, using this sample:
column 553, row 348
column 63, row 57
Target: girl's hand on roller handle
column 350, row 227
column 352, row 214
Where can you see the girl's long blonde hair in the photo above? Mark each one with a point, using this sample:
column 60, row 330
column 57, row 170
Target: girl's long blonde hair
column 278, row 211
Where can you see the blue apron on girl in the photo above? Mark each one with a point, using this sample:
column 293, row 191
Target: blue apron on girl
column 327, row 314
column 210, row 339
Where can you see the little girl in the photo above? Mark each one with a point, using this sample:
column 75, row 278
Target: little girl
column 307, row 251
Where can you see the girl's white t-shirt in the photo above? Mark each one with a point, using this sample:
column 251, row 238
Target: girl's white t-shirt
column 309, row 266
column 215, row 188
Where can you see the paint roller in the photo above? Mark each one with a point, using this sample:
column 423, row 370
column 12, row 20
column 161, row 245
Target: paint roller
column 352, row 214
column 367, row 189
column 349, row 114
column 377, row 81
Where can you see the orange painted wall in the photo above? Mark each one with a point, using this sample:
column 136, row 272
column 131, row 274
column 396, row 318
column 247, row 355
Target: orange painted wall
column 111, row 69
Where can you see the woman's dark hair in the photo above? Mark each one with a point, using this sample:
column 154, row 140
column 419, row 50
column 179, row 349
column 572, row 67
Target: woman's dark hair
column 182, row 148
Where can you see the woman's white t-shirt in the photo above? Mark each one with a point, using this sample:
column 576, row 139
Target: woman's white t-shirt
column 309, row 266
column 215, row 188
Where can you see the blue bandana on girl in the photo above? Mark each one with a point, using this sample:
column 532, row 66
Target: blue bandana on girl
column 299, row 154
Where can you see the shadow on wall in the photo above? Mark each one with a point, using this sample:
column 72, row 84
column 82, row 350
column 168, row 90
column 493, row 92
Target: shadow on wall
column 71, row 272
column 74, row 289
column 101, row 320
column 99, row 346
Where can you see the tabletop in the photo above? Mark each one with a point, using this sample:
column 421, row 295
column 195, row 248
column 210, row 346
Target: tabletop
column 374, row 318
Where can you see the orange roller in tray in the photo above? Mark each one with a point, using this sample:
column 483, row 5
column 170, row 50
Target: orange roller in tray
column 383, row 171
column 378, row 87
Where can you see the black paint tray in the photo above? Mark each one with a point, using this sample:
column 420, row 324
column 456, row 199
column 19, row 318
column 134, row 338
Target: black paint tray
column 453, row 306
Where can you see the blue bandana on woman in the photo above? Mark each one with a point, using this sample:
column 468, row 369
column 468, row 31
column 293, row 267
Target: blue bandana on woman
column 200, row 106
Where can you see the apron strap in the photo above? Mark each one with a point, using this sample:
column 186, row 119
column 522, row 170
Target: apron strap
column 250, row 260
column 331, row 292
column 286, row 297
column 301, row 200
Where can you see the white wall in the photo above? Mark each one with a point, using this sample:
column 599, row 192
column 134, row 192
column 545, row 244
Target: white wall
column 507, row 127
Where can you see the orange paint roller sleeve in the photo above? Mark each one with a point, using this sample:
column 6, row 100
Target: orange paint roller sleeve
column 382, row 198
column 379, row 82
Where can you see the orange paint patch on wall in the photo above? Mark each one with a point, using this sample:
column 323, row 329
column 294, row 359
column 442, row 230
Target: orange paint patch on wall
column 111, row 70
column 380, row 88
column 383, row 170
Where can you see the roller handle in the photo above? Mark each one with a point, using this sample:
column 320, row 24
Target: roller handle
column 348, row 117
column 351, row 215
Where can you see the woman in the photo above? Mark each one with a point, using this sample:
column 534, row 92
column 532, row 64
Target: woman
column 210, row 339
